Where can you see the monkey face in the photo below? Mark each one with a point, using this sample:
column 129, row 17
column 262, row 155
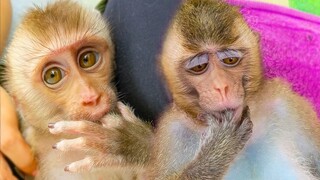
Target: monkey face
column 216, row 80
column 68, row 83
column 77, row 79
column 210, row 58
column 59, row 65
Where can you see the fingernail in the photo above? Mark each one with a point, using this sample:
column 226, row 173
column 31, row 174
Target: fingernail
column 66, row 168
column 54, row 146
column 51, row 125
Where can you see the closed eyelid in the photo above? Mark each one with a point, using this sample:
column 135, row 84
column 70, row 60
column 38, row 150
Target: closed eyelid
column 229, row 54
column 197, row 60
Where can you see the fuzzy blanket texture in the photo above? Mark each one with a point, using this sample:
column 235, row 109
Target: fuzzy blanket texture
column 290, row 44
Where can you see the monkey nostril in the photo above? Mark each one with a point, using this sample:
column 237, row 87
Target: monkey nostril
column 226, row 89
column 90, row 100
column 223, row 92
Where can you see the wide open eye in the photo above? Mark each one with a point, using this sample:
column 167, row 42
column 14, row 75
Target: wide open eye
column 198, row 64
column 88, row 59
column 229, row 57
column 53, row 75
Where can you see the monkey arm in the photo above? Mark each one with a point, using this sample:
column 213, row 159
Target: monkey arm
column 184, row 152
column 222, row 143
column 121, row 141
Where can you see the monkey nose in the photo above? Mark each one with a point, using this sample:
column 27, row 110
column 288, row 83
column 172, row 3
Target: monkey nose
column 90, row 100
column 222, row 91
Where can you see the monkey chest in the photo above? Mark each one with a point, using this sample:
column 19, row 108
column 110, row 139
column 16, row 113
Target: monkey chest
column 265, row 160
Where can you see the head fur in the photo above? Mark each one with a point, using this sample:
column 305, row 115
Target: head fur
column 201, row 26
column 44, row 31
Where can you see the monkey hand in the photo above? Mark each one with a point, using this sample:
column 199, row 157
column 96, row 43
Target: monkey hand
column 228, row 131
column 223, row 140
column 122, row 140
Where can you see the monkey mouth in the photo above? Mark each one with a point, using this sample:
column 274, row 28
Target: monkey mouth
column 219, row 114
column 98, row 115
column 94, row 115
column 236, row 112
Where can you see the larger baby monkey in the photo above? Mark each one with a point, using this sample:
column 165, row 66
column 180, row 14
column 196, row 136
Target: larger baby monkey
column 59, row 67
column 212, row 63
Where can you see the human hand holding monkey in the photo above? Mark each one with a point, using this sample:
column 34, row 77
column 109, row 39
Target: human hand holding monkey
column 13, row 145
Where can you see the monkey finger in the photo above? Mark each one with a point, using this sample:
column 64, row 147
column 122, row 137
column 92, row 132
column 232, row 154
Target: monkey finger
column 126, row 112
column 211, row 119
column 77, row 127
column 111, row 120
column 245, row 116
column 245, row 113
column 90, row 163
column 80, row 143
column 245, row 129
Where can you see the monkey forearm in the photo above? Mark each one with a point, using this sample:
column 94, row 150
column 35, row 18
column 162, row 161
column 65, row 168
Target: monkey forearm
column 212, row 163
column 135, row 142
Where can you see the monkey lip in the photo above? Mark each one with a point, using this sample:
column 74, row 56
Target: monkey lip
column 96, row 115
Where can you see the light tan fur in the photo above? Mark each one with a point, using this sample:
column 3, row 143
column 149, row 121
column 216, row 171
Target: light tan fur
column 84, row 101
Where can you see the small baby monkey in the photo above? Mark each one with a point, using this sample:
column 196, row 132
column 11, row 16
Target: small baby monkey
column 212, row 63
column 59, row 66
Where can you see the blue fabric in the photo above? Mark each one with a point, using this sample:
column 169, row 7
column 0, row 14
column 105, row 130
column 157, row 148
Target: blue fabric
column 138, row 29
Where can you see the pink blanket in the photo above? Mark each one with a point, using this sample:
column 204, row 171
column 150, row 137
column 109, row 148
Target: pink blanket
column 290, row 46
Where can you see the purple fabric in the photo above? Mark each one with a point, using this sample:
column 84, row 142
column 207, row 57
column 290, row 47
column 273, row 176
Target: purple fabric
column 290, row 46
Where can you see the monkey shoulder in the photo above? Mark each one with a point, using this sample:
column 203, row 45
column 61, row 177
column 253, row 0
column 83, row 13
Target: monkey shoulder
column 279, row 111
column 277, row 96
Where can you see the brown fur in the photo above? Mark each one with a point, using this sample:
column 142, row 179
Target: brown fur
column 192, row 25
column 280, row 117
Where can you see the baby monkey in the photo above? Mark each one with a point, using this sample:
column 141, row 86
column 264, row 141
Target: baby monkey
column 211, row 61
column 59, row 67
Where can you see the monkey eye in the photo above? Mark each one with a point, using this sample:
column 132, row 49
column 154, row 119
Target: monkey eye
column 88, row 59
column 229, row 57
column 198, row 64
column 53, row 75
column 230, row 61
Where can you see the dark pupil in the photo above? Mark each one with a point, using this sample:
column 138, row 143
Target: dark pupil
column 231, row 60
column 199, row 67
column 86, row 59
column 53, row 74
